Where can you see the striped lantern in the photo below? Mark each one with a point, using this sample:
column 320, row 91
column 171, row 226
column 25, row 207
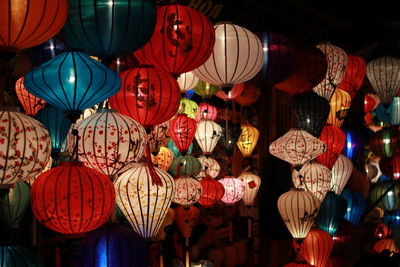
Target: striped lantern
column 14, row 204
column 207, row 135
column 206, row 111
column 340, row 105
column 163, row 159
column 341, row 173
column 335, row 139
column 188, row 107
column 234, row 190
column 29, row 102
column 356, row 206
column 331, row 213
column 16, row 256
column 248, row 139
column 252, row 184
column 383, row 143
column 187, row 191
column 213, row 191
column 389, row 191
column 185, row 166
column 354, row 76
column 158, row 137
column 205, row 89
column 182, row 130
column 209, row 167
column 316, row 247
column 386, row 244
column 187, row 81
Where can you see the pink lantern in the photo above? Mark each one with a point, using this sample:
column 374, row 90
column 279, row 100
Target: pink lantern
column 187, row 191
column 234, row 190
column 206, row 111
column 252, row 184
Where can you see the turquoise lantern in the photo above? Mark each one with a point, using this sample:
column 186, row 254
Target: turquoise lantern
column 16, row 256
column 356, row 205
column 331, row 212
column 185, row 166
column 14, row 204
column 171, row 145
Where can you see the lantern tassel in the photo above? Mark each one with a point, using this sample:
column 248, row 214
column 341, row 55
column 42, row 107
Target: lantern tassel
column 155, row 179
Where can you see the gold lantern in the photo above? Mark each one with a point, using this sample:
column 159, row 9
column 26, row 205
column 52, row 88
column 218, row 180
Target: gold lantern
column 248, row 139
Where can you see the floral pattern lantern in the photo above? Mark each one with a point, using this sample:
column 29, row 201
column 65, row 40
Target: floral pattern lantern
column 354, row 76
column 213, row 191
column 340, row 105
column 158, row 137
column 188, row 107
column 163, row 159
column 335, row 139
column 182, row 130
column 16, row 256
column 384, row 142
column 341, row 173
column 187, row 81
column 207, row 135
column 209, row 167
column 205, row 89
column 331, row 213
column 14, row 204
column 185, row 166
column 356, row 206
column 387, row 193
column 316, row 247
column 248, row 139
column 206, row 111
column 29, row 102
column 386, row 244
column 187, row 191
column 252, row 184
column 234, row 190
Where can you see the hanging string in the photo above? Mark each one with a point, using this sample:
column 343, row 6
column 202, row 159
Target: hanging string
column 74, row 154
column 155, row 179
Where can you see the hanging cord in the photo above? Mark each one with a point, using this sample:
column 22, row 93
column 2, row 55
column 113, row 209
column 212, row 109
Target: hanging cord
column 155, row 178
column 74, row 154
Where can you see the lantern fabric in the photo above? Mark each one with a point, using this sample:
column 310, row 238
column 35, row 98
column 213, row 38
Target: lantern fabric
column 234, row 189
column 205, row 89
column 391, row 113
column 209, row 167
column 185, row 219
column 185, row 166
column 230, row 135
column 72, row 82
column 143, row 203
column 29, row 102
column 171, row 145
column 187, row 191
column 335, row 139
column 340, row 105
column 341, row 172
column 390, row 191
column 237, row 57
column 25, row 147
column 41, row 53
column 109, row 28
column 123, row 63
column 354, row 76
column 386, row 244
column 331, row 213
column 356, row 206
column 395, row 163
column 236, row 91
column 381, row 231
column 72, row 198
column 206, row 111
column 187, row 81
column 249, row 96
column 188, row 107
column 147, row 95
column 311, row 112
column 384, row 142
column 252, row 184
column 248, row 139
column 316, row 247
column 298, row 209
column 213, row 191
column 158, row 137
column 28, row 23
column 182, row 130
column 14, row 204
column 297, row 147
column 297, row 264
column 392, row 219
column 16, row 256
column 354, row 144
column 371, row 101
column 163, row 159
column 207, row 135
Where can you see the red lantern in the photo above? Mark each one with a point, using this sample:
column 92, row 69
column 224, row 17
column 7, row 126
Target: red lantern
column 354, row 76
column 391, row 166
column 381, row 231
column 386, row 244
column 183, row 40
column 335, row 139
column 371, row 101
column 29, row 102
column 316, row 247
column 232, row 94
column 185, row 219
column 213, row 191
column 182, row 130
column 206, row 111
column 249, row 95
column 147, row 95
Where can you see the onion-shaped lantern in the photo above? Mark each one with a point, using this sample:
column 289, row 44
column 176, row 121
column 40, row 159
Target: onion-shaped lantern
column 384, row 142
column 207, row 135
column 252, row 184
column 209, row 167
column 297, row 147
column 163, row 159
column 25, row 147
column 249, row 95
column 213, row 191
column 185, row 219
column 188, row 107
column 356, row 205
column 41, row 53
column 171, row 146
column 230, row 135
column 316, row 247
column 341, row 173
column 387, row 193
column 16, row 256
column 236, row 91
column 392, row 219
column 158, row 137
column 335, row 139
column 248, row 139
column 298, row 209
column 331, row 213
column 182, row 130
column 29, row 102
column 187, row 81
column 206, row 111
column 185, row 166
column 143, row 203
column 386, row 244
column 72, row 198
column 354, row 76
column 205, row 89
column 187, row 191
column 340, row 104
column 234, row 189
column 14, row 204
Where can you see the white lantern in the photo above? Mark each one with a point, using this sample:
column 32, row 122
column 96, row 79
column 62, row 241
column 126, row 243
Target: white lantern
column 187, row 81
column 234, row 190
column 209, row 167
column 187, row 191
column 341, row 173
column 207, row 135
column 158, row 137
column 252, row 184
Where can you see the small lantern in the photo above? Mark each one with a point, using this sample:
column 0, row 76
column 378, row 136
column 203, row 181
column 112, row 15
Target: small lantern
column 236, row 91
column 234, row 189
column 14, row 204
column 248, row 139
column 316, row 247
column 341, row 173
column 187, row 81
column 207, row 135
column 209, row 167
column 206, row 111
column 386, row 244
column 381, row 231
column 331, row 213
column 252, row 184
column 187, row 191
column 185, row 166
column 163, row 159
column 205, row 89
column 249, row 95
column 384, row 142
column 29, row 102
column 158, row 137
column 182, row 130
column 340, row 105
column 213, row 191
column 388, row 193
column 356, row 205
column 188, row 107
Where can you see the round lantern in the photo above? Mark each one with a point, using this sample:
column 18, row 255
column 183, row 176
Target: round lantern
column 72, row 198
column 209, row 167
column 252, row 184
column 230, row 135
column 340, row 104
column 143, row 203
column 382, row 231
column 311, row 112
column 188, row 107
column 337, row 65
column 392, row 219
column 248, row 139
column 29, row 102
column 237, row 57
column 185, row 219
column 249, row 95
column 14, row 204
column 46, row 51
column 187, row 191
column 354, row 76
column 158, row 137
column 182, row 130
column 335, row 139
column 207, row 135
column 205, row 89
column 171, row 146
column 109, row 28
column 356, row 206
column 382, row 73
column 16, row 256
column 207, row 112
column 316, row 247
column 236, row 91
column 371, row 101
column 384, row 142
column 386, row 244
column 341, row 172
column 213, row 191
column 331, row 213
column 163, row 159
column 187, row 81
column 234, row 190
column 297, row 147
column 387, row 193
column 314, row 178
column 72, row 82
column 185, row 166
column 25, row 147
column 298, row 209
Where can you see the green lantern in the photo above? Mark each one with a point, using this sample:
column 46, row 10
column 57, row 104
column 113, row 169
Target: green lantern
column 188, row 107
column 205, row 89
column 14, row 204
column 390, row 200
column 185, row 166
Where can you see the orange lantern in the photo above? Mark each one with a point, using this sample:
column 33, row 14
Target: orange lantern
column 249, row 95
column 248, row 139
column 163, row 159
column 29, row 102
column 232, row 94
column 317, row 247
column 381, row 231
column 386, row 244
column 340, row 104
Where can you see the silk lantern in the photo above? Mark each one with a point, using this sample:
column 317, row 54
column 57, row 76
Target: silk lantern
column 187, row 81
column 207, row 135
column 113, row 28
column 163, row 159
column 340, row 105
column 205, row 89
column 236, row 91
column 16, row 256
column 316, row 247
column 14, row 204
column 248, row 139
column 392, row 219
column 188, row 107
column 185, row 219
column 187, row 191
column 46, row 51
column 297, row 264
column 381, row 231
column 354, row 76
column 29, row 102
column 297, row 147
column 371, row 101
column 206, row 111
column 158, row 137
column 384, row 142
column 252, row 184
column 185, row 166
column 386, row 244
column 341, row 172
column 230, row 135
column 209, row 167
column 182, row 130
column 72, row 198
column 171, row 146
column 331, row 213
column 298, row 209
column 390, row 114
column 356, row 206
column 335, row 139
column 249, row 96
column 387, row 193
column 234, row 189
column 213, row 191
column 25, row 147
column 123, row 63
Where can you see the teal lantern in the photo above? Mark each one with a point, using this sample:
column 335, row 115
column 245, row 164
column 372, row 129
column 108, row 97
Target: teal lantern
column 331, row 213
column 16, row 256
column 386, row 195
column 356, row 205
column 14, row 204
column 171, row 145
column 185, row 166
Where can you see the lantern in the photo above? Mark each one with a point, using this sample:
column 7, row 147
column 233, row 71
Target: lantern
column 171, row 145
column 158, row 137
column 72, row 82
column 205, row 89
column 16, row 256
column 340, row 105
column 29, row 102
column 387, row 193
column 252, row 184
column 187, row 191
column 230, row 135
column 392, row 219
column 341, row 172
column 109, row 28
column 297, row 147
column 386, row 244
column 182, row 130
column 185, row 166
column 354, row 144
column 25, row 147
column 391, row 114
column 213, row 191
column 356, row 206
column 206, row 111
column 248, row 139
column 14, row 204
column 234, row 190
column 354, row 76
column 188, row 107
column 384, row 142
column 72, row 198
column 298, row 209
column 297, row 264
column 207, row 135
column 123, row 63
column 311, row 112
column 187, row 81
column 41, row 53
column 185, row 219
column 316, row 247
column 314, row 178
column 395, row 163
column 249, row 96
column 209, row 167
column 331, row 213
column 371, row 101
column 163, row 159
column 236, row 91
column 335, row 139
column 382, row 73
column 381, row 231
column 337, row 65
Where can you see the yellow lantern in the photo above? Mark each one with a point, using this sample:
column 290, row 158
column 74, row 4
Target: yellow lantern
column 340, row 104
column 248, row 139
column 163, row 159
column 188, row 107
column 205, row 89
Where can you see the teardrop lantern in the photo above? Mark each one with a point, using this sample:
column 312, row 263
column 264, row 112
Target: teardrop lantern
column 331, row 213
column 16, row 256
column 205, row 89
column 163, row 159
column 234, row 189
column 158, row 137
column 354, row 76
column 207, row 135
column 187, row 81
column 384, row 142
column 356, row 206
column 14, row 204
column 182, row 130
column 335, row 139
column 252, row 184
column 248, row 139
column 209, row 167
column 341, row 172
column 29, row 102
column 316, row 247
column 340, row 105
column 206, row 111
column 187, row 191
column 213, row 191
column 387, row 193
column 185, row 166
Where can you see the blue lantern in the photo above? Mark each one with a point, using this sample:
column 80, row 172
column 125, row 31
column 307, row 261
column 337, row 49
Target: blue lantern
column 16, row 256
column 331, row 212
column 390, row 114
column 46, row 51
column 356, row 205
column 392, row 219
column 72, row 82
column 353, row 145
column 171, row 145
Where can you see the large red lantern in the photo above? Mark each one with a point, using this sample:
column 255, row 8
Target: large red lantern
column 335, row 139
column 213, row 191
column 182, row 130
column 354, row 76
column 316, row 247
column 29, row 102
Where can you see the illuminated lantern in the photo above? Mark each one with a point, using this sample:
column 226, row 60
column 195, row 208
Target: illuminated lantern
column 337, row 65
column 252, row 184
column 143, row 203
column 298, row 209
column 316, row 247
column 111, row 246
column 392, row 219
column 123, row 63
column 112, row 28
column 185, row 219
column 14, row 204
column 384, row 142
column 354, row 76
column 72, row 198
column 386, row 244
column 331, row 213
column 354, row 144
column 205, row 89
column 311, row 112
column 297, row 147
column 340, row 105
column 234, row 190
column 207, row 135
column 391, row 115
column 382, row 73
column 297, row 264
column 182, row 130
column 72, row 82
column 188, row 107
column 395, row 163
column 335, row 139
column 248, row 139
column 29, row 102
column 356, row 206
column 158, row 137
column 187, row 191
column 163, row 159
column 185, row 166
column 16, row 256
column 187, row 81
column 171, row 145
column 147, row 95
column 25, row 147
column 46, row 51
column 213, row 191
column 388, row 191
column 236, row 91
column 371, row 101
column 381, row 231
column 206, row 111
column 248, row 96
column 209, row 167
column 314, row 178
column 341, row 172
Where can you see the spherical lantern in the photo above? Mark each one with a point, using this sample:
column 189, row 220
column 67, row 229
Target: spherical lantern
column 311, row 112
column 386, row 244
column 185, row 166
column 252, row 184
column 188, row 107
column 389, row 192
column 248, row 139
column 207, row 135
column 187, row 81
column 182, row 130
column 354, row 76
column 187, row 191
column 234, row 190
column 249, row 96
column 382, row 73
column 335, row 139
column 236, row 91
column 14, row 204
column 16, row 256
column 185, row 219
column 341, row 172
column 41, row 53
column 109, row 28
column 392, row 219
column 356, row 206
column 209, row 167
column 206, row 111
column 237, row 57
column 384, row 142
column 29, row 102
column 72, row 198
column 340, row 104
column 205, row 89
column 72, row 82
column 314, row 178
column 163, row 159
column 25, row 147
column 171, row 146
column 298, row 209
column 297, row 147
column 316, row 247
column 213, row 191
column 158, row 137
column 331, row 213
